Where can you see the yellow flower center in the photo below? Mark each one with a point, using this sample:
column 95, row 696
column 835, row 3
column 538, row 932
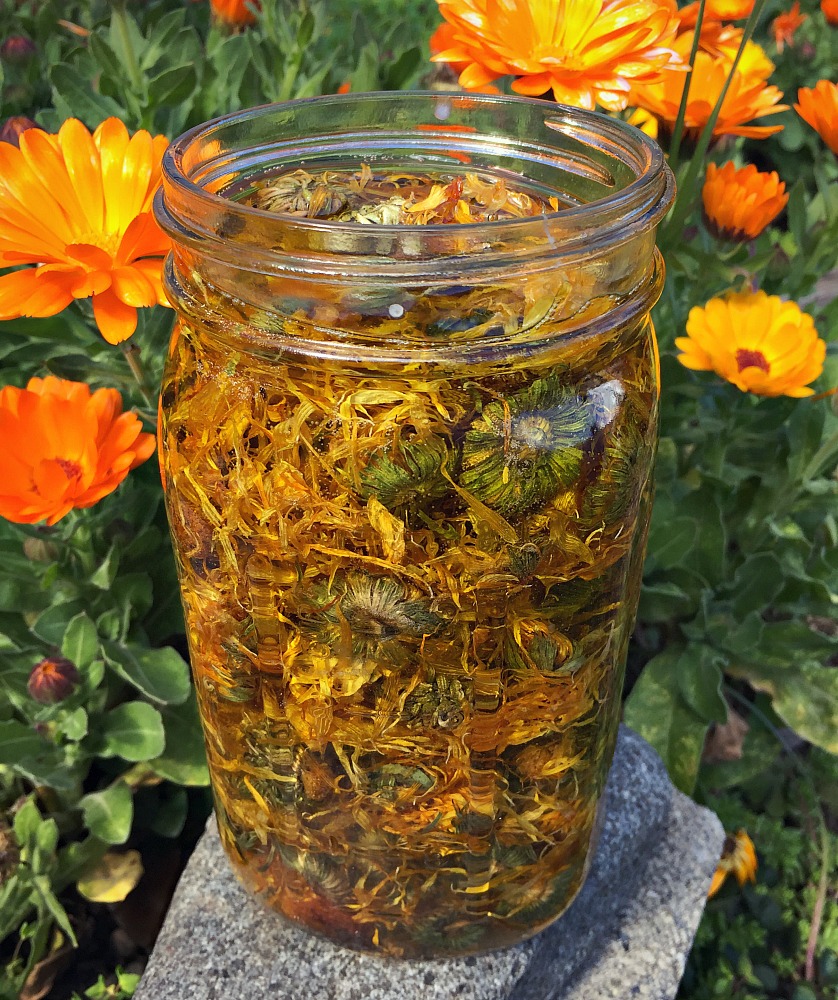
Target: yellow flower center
column 752, row 359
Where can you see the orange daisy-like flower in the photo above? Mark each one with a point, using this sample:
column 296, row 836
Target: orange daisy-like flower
column 79, row 206
column 738, row 858
column 235, row 13
column 739, row 204
column 716, row 10
column 63, row 446
column 747, row 98
column 818, row 107
column 586, row 52
column 784, row 26
column 829, row 8
column 755, row 341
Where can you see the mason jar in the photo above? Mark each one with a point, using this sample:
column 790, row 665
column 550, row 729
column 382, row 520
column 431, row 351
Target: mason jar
column 408, row 473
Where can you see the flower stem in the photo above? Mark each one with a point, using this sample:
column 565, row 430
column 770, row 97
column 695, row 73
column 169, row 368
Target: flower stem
column 683, row 204
column 678, row 131
column 132, row 356
column 119, row 27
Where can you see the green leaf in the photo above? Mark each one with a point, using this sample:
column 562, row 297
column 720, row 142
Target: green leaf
column 18, row 741
column 108, row 814
column 172, row 86
column 80, row 643
column 74, row 98
column 133, row 731
column 657, row 710
column 757, row 583
column 700, row 682
column 663, row 602
column 671, row 541
column 26, row 822
column 52, row 623
column 160, row 674
column 74, row 724
column 804, row 695
column 103, row 577
column 49, row 902
column 185, row 758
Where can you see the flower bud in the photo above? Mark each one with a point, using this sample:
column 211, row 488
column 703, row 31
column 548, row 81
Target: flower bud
column 12, row 128
column 17, row 49
column 52, row 680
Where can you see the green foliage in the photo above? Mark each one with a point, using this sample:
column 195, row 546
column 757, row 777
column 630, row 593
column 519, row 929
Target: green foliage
column 753, row 941
column 741, row 577
column 166, row 68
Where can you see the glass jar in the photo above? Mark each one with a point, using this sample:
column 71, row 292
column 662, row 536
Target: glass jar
column 408, row 475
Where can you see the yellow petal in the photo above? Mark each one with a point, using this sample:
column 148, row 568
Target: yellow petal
column 113, row 878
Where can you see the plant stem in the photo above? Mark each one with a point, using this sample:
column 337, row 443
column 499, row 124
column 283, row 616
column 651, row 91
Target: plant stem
column 120, row 27
column 675, row 223
column 678, row 131
column 132, row 356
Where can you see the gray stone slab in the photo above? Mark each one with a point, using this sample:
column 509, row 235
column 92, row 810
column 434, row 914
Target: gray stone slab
column 626, row 936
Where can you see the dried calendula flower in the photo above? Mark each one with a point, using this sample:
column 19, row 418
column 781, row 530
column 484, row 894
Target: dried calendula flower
column 521, row 451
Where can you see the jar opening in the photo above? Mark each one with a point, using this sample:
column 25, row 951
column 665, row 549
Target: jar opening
column 610, row 179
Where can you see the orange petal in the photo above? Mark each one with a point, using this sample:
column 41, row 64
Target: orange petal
column 132, row 287
column 116, row 320
column 29, row 293
column 85, row 171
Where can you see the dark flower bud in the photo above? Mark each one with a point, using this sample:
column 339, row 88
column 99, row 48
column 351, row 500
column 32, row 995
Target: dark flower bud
column 12, row 128
column 52, row 680
column 17, row 49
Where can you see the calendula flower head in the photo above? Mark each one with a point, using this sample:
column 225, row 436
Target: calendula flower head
column 738, row 858
column 13, row 128
column 586, row 52
column 739, row 204
column 757, row 342
column 818, row 107
column 52, row 680
column 78, row 207
column 63, row 447
column 235, row 13
column 716, row 10
column 724, row 40
column 829, row 9
column 784, row 26
column 747, row 98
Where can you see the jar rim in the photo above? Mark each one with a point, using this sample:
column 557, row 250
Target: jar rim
column 588, row 151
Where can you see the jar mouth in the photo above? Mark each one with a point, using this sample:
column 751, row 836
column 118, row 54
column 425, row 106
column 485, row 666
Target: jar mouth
column 613, row 177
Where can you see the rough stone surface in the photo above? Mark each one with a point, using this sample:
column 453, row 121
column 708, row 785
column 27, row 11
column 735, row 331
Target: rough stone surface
column 626, row 937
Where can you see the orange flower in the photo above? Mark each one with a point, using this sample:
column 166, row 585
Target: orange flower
column 786, row 24
column 80, row 206
column 585, row 51
column 52, row 680
column 716, row 10
column 756, row 342
column 235, row 13
column 723, row 40
column 62, row 447
column 738, row 858
column 830, row 11
column 748, row 97
column 819, row 108
column 739, row 204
